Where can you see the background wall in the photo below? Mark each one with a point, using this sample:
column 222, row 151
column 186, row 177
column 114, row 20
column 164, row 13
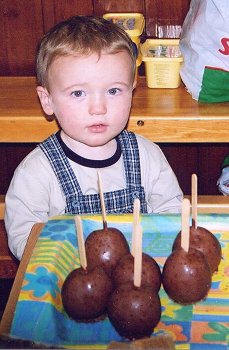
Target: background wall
column 22, row 24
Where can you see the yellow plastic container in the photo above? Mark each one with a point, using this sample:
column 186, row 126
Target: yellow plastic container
column 162, row 59
column 132, row 23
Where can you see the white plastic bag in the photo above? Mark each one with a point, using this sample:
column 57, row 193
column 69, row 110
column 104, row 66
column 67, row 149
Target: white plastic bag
column 223, row 181
column 204, row 44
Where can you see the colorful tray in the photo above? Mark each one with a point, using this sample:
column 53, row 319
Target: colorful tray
column 39, row 314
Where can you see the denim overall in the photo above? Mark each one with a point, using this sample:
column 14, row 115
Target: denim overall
column 120, row 201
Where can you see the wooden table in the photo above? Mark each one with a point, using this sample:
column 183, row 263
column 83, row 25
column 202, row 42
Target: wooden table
column 163, row 115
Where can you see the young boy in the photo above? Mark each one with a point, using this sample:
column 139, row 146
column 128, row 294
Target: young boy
column 86, row 77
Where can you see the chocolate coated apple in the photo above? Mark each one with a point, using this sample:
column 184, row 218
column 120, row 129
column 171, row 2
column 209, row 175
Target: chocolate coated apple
column 204, row 241
column 105, row 248
column 124, row 272
column 85, row 294
column 134, row 311
column 186, row 277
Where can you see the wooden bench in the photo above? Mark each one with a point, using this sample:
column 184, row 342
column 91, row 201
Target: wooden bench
column 9, row 265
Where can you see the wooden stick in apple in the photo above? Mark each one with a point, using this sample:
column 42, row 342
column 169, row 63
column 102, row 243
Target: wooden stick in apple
column 194, row 200
column 136, row 215
column 104, row 215
column 85, row 291
column 106, row 246
column 138, row 257
column 81, row 245
column 185, row 230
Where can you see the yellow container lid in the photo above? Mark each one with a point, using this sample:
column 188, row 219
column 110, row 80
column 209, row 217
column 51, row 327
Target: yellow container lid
column 132, row 23
column 138, row 60
column 161, row 50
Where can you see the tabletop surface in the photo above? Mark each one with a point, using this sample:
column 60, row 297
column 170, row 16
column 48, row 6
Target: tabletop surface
column 162, row 115
column 203, row 325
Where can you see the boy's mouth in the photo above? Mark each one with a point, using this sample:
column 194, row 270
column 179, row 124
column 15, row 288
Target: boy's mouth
column 98, row 128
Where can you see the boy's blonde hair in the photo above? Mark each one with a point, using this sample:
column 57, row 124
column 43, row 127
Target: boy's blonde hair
column 81, row 35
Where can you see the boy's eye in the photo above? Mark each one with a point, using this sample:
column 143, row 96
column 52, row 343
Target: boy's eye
column 78, row 93
column 113, row 91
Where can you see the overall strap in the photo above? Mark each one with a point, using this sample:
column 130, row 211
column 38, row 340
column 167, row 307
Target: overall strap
column 129, row 146
column 60, row 164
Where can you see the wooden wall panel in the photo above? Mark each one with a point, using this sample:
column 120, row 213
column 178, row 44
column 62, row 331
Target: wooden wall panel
column 182, row 159
column 3, row 170
column 10, row 156
column 21, row 26
column 204, row 160
column 106, row 6
column 55, row 11
column 210, row 159
column 23, row 23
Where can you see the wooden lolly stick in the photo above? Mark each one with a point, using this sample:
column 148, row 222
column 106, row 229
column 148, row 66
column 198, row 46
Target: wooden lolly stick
column 138, row 257
column 81, row 245
column 185, row 229
column 136, row 214
column 194, row 200
column 104, row 215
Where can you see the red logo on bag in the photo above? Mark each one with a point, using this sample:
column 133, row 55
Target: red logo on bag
column 225, row 43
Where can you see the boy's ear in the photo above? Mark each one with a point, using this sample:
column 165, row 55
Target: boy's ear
column 135, row 82
column 45, row 100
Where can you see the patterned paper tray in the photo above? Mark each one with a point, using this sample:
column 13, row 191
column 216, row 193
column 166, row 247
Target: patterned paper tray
column 39, row 314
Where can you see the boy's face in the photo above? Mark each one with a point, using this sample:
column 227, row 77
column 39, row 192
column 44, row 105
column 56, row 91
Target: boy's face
column 90, row 97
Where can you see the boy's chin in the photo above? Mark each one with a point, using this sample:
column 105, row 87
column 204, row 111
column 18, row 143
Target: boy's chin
column 98, row 144
column 100, row 141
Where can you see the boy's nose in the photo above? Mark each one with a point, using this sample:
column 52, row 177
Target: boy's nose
column 97, row 106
